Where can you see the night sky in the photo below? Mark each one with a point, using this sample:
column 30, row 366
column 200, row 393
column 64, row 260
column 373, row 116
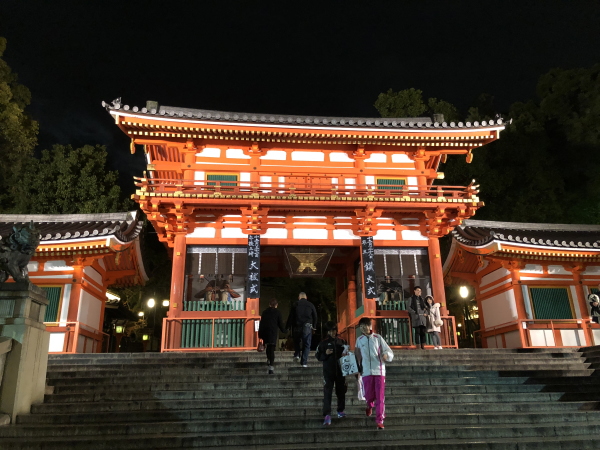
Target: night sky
column 283, row 57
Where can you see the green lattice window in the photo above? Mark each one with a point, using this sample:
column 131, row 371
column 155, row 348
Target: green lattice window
column 551, row 303
column 213, row 177
column 390, row 183
column 53, row 294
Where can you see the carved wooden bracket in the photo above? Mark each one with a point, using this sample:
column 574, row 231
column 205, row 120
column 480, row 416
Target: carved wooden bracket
column 255, row 219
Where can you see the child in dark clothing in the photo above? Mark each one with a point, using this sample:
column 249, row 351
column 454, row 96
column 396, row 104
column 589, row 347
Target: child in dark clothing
column 329, row 351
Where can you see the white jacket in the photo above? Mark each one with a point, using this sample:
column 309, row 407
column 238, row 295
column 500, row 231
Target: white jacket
column 372, row 347
column 434, row 314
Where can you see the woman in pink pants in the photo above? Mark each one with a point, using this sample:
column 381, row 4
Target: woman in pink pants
column 372, row 352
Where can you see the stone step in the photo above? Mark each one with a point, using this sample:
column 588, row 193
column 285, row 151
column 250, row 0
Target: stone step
column 275, row 391
column 266, row 382
column 199, row 413
column 349, row 432
column 293, row 402
column 531, row 370
column 524, row 363
column 284, row 423
column 400, row 355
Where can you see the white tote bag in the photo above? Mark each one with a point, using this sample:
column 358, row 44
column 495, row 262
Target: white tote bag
column 348, row 364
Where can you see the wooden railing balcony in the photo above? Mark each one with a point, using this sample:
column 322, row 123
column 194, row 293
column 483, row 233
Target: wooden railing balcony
column 156, row 187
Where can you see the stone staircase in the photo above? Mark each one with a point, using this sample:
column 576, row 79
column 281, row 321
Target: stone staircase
column 450, row 399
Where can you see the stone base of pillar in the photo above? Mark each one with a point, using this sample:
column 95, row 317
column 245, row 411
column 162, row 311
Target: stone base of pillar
column 22, row 310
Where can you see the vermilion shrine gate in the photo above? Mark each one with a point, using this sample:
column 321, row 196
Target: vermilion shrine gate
column 324, row 196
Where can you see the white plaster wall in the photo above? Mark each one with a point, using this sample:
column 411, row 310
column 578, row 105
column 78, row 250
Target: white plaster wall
column 499, row 309
column 492, row 342
column 401, row 158
column 385, row 235
column 369, row 179
column 89, row 310
column 210, row 153
column 232, row 233
column 412, row 181
column 276, row 233
column 596, row 336
column 57, row 341
column 558, row 270
column 101, row 264
column 59, row 265
column 339, row 157
column 592, row 270
column 532, row 268
column 275, row 155
column 494, row 276
column 413, row 235
column 513, row 339
column 376, row 158
column 541, row 338
column 308, row 156
column 202, row 232
column 33, row 266
column 344, row 234
column 237, row 153
column 66, row 300
column 309, row 233
column 572, row 338
column 93, row 274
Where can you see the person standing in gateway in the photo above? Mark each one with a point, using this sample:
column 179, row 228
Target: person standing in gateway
column 304, row 320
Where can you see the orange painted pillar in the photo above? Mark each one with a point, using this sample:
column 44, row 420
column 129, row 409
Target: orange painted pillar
column 583, row 307
column 437, row 276
column 252, row 305
column 420, row 159
column 520, row 303
column 177, row 276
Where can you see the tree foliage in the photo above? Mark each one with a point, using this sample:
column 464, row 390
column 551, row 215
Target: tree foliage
column 18, row 132
column 545, row 166
column 68, row 181
column 410, row 103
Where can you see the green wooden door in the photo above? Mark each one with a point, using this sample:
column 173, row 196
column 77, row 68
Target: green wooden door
column 551, row 303
column 53, row 295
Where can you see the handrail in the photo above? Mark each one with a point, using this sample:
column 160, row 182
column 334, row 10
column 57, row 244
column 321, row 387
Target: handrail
column 293, row 190
column 73, row 330
column 538, row 324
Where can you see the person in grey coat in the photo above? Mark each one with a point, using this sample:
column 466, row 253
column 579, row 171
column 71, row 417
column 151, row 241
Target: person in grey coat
column 270, row 321
column 418, row 316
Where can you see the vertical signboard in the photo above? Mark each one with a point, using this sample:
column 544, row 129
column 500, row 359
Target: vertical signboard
column 253, row 287
column 368, row 260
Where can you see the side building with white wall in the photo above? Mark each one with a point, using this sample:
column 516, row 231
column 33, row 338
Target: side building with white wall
column 79, row 257
column 531, row 281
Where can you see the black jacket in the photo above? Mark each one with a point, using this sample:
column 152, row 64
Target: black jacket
column 417, row 308
column 270, row 320
column 331, row 367
column 304, row 312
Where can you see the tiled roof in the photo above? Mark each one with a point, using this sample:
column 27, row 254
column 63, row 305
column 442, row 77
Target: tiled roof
column 205, row 115
column 124, row 226
column 477, row 233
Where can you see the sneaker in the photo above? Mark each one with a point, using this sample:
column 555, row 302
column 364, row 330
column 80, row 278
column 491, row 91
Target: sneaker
column 271, row 370
column 304, row 365
column 380, row 426
column 369, row 411
column 296, row 359
column 341, row 415
column 327, row 421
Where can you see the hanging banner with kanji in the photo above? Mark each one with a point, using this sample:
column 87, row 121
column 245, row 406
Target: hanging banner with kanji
column 253, row 286
column 368, row 260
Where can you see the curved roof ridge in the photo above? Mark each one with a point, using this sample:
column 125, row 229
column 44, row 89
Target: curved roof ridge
column 529, row 226
column 127, row 216
column 154, row 109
